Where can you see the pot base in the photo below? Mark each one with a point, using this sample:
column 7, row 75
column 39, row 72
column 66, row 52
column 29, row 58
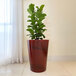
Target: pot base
column 38, row 71
column 37, row 68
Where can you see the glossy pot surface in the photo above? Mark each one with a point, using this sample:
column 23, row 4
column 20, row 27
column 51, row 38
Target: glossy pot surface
column 38, row 50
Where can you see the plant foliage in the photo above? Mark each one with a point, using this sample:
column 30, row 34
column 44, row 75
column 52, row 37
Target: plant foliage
column 36, row 27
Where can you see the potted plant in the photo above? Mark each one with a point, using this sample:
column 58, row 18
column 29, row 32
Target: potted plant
column 38, row 48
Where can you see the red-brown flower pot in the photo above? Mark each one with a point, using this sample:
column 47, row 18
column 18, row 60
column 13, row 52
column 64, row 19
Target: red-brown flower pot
column 38, row 50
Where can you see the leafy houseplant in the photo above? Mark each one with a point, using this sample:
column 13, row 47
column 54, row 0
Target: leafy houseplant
column 36, row 27
column 37, row 47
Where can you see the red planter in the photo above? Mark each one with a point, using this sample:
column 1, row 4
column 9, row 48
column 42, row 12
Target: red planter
column 38, row 50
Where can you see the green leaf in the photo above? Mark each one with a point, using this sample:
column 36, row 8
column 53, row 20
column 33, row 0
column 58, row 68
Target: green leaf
column 43, row 35
column 29, row 16
column 38, row 14
column 29, row 11
column 31, row 31
column 41, row 26
column 33, row 17
column 29, row 20
column 37, row 8
column 42, row 17
column 31, row 7
column 41, row 7
column 43, row 14
column 29, row 26
column 33, row 36
column 44, row 30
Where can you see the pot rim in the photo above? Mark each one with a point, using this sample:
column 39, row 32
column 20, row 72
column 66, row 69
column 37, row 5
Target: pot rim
column 39, row 40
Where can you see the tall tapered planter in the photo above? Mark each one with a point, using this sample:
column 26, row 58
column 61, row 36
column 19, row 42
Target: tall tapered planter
column 38, row 50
